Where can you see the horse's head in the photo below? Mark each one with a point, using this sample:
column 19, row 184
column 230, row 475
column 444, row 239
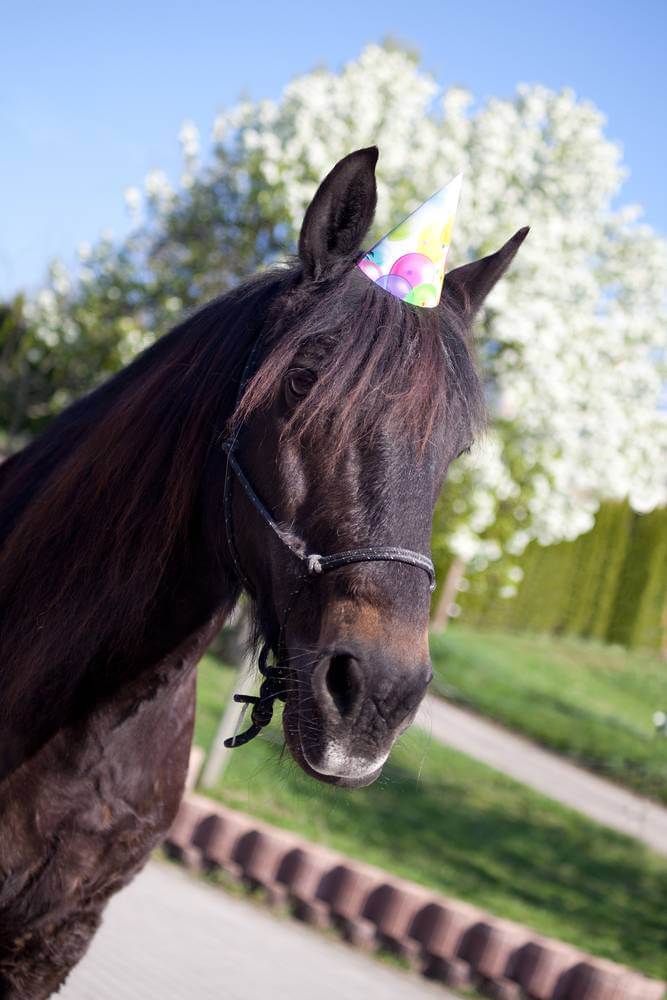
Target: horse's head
column 359, row 404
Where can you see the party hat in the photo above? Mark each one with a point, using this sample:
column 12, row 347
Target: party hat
column 409, row 262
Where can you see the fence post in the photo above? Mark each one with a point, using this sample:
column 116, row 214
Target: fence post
column 218, row 756
column 450, row 587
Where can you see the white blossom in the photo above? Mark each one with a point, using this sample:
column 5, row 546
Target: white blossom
column 158, row 189
column 189, row 140
column 133, row 201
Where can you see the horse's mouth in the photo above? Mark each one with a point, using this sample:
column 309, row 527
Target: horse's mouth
column 295, row 744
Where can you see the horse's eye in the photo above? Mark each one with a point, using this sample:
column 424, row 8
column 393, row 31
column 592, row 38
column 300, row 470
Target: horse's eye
column 298, row 383
column 464, row 451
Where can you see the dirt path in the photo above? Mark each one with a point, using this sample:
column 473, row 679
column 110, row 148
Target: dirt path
column 546, row 772
column 170, row 937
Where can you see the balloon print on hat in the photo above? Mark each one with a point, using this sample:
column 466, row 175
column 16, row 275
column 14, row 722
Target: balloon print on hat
column 409, row 262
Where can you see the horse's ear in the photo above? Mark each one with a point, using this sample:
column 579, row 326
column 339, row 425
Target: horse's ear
column 339, row 215
column 466, row 287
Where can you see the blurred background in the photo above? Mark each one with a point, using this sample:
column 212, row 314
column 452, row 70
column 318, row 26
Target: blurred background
column 155, row 154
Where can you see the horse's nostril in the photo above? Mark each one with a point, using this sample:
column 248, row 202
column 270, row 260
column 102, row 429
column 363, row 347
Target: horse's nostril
column 343, row 681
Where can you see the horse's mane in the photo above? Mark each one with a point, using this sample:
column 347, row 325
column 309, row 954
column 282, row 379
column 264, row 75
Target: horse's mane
column 92, row 511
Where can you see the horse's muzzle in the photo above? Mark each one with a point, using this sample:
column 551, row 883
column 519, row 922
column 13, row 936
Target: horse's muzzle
column 346, row 711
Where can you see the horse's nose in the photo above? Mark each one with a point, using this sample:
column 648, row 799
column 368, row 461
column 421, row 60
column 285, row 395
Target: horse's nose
column 343, row 683
column 352, row 705
column 365, row 686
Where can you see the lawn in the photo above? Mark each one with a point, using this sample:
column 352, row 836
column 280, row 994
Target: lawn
column 443, row 820
column 590, row 702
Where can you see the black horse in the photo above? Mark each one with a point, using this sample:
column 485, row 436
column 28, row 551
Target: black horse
column 117, row 566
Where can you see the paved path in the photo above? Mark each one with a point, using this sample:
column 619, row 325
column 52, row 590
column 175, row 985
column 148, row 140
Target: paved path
column 546, row 772
column 170, row 937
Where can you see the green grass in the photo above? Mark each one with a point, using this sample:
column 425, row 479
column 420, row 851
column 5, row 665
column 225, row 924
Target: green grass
column 443, row 820
column 215, row 683
column 590, row 702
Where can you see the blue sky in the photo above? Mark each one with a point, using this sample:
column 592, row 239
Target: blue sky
column 92, row 96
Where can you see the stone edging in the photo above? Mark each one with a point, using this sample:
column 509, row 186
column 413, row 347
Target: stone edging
column 452, row 941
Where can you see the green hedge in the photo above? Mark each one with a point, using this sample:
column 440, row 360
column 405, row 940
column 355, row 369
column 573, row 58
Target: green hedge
column 610, row 584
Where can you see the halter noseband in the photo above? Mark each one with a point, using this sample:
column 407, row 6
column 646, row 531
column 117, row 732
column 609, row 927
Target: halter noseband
column 314, row 565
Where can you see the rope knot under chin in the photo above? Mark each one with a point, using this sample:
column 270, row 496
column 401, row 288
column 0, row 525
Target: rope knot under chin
column 314, row 564
column 274, row 686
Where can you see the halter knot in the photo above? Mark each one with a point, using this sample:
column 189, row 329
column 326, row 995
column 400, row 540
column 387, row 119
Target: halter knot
column 314, row 564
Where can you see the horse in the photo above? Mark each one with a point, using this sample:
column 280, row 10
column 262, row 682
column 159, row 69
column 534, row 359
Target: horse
column 117, row 567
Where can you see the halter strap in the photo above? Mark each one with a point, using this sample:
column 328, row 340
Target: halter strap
column 315, row 563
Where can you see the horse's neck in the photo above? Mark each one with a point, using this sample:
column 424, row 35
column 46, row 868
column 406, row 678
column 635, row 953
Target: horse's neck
column 193, row 605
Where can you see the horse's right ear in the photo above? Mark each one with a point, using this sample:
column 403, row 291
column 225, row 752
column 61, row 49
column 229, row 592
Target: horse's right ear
column 340, row 214
column 467, row 286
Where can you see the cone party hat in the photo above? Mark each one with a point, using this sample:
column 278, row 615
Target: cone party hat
column 409, row 262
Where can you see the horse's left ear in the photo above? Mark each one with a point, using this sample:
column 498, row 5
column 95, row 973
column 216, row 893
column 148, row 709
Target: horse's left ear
column 466, row 287
column 340, row 214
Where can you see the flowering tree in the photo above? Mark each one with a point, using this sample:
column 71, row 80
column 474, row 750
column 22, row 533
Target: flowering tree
column 570, row 343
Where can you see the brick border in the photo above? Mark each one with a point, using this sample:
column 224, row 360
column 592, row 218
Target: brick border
column 443, row 938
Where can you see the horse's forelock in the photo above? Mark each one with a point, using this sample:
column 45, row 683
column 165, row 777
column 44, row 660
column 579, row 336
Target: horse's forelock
column 380, row 363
